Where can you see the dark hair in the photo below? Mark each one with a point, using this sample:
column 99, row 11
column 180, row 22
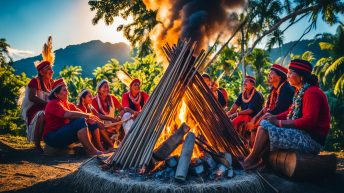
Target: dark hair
column 83, row 96
column 308, row 77
column 280, row 74
column 52, row 94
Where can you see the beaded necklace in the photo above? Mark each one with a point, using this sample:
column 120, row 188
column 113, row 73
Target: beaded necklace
column 249, row 98
column 272, row 96
column 296, row 110
column 136, row 100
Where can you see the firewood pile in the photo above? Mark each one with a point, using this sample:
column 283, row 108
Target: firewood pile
column 216, row 138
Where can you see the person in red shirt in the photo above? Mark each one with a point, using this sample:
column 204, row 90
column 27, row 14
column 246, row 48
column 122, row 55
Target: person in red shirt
column 33, row 106
column 303, row 127
column 65, row 123
column 106, row 104
column 85, row 105
column 133, row 102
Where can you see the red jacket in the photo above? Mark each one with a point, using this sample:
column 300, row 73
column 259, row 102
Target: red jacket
column 315, row 117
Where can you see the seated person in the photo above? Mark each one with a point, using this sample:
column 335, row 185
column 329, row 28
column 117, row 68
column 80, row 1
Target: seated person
column 303, row 127
column 220, row 94
column 133, row 102
column 33, row 107
column 65, row 123
column 85, row 105
column 106, row 104
column 279, row 100
column 250, row 101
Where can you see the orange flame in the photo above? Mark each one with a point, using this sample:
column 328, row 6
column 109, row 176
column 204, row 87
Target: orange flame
column 184, row 116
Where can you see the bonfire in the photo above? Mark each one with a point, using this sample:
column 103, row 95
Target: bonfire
column 182, row 139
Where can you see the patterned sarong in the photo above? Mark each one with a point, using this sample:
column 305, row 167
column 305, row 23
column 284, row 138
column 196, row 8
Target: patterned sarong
column 290, row 139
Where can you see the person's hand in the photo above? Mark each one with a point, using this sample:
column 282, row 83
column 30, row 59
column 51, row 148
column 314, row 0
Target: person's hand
column 94, row 118
column 135, row 114
column 271, row 118
column 116, row 119
column 268, row 116
column 232, row 116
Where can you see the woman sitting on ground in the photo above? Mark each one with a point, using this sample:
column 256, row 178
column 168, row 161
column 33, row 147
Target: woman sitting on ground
column 85, row 105
column 107, row 104
column 133, row 102
column 65, row 123
column 303, row 127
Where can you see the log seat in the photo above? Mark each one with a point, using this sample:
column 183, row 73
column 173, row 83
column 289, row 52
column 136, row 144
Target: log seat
column 302, row 166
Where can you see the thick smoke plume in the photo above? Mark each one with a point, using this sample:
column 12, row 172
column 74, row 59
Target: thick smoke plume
column 200, row 20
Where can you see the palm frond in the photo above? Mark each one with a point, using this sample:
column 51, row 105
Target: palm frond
column 333, row 68
column 326, row 46
column 339, row 86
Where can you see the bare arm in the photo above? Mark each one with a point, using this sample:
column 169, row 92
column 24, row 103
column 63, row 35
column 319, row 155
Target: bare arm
column 282, row 123
column 33, row 98
column 233, row 109
column 75, row 115
column 245, row 112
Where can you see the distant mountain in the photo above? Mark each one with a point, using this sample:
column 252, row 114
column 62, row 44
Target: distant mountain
column 299, row 49
column 88, row 55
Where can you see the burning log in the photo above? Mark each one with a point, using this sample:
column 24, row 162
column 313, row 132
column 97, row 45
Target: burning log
column 167, row 147
column 185, row 157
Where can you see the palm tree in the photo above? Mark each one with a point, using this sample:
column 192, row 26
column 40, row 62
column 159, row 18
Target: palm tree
column 259, row 60
column 331, row 69
column 4, row 51
column 307, row 55
column 69, row 73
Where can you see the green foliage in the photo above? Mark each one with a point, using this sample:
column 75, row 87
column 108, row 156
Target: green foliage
column 259, row 61
column 330, row 70
column 146, row 69
column 335, row 139
column 10, row 120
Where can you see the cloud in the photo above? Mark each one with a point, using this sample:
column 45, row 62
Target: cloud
column 19, row 54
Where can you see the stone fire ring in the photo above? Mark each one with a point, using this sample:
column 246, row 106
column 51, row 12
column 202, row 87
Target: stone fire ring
column 91, row 178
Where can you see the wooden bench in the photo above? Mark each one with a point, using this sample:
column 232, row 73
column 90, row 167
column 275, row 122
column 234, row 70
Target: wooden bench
column 302, row 166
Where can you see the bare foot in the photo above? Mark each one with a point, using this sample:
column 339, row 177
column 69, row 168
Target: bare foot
column 94, row 153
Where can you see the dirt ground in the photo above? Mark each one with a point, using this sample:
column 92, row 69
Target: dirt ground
column 23, row 170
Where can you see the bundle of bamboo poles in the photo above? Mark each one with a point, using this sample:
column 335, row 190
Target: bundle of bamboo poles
column 213, row 122
column 137, row 147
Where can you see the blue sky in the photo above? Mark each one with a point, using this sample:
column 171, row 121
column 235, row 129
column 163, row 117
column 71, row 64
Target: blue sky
column 26, row 24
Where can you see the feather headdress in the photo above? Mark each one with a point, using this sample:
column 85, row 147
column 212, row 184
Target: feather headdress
column 124, row 77
column 47, row 53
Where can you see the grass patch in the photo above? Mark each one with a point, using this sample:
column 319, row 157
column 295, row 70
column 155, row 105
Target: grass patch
column 15, row 141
